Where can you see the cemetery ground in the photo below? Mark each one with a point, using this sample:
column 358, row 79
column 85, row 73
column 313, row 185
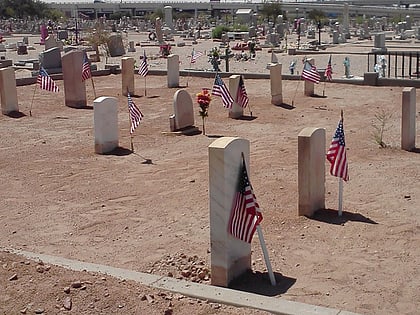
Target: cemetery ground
column 149, row 210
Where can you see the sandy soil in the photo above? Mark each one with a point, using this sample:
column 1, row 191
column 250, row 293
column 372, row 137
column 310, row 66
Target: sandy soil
column 60, row 198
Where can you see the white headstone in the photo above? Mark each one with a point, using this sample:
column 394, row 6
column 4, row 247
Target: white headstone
column 74, row 87
column 173, row 71
column 8, row 91
column 127, row 75
column 236, row 111
column 105, row 115
column 183, row 110
column 408, row 119
column 276, row 83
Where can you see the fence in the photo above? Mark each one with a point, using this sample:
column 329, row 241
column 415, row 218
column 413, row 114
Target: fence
column 396, row 64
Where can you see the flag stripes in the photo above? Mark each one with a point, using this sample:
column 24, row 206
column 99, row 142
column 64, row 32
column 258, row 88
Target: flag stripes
column 310, row 73
column 135, row 114
column 245, row 215
column 336, row 154
column 144, row 67
column 45, row 82
column 86, row 72
column 328, row 70
column 242, row 97
column 195, row 55
column 220, row 89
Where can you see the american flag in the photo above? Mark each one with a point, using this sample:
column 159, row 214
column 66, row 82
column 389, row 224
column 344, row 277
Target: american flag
column 245, row 215
column 220, row 89
column 337, row 154
column 309, row 73
column 144, row 67
column 241, row 97
column 86, row 73
column 135, row 114
column 45, row 82
column 195, row 55
column 328, row 70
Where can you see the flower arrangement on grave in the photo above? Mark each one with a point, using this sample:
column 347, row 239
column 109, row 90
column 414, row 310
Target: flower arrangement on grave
column 214, row 58
column 165, row 50
column 203, row 100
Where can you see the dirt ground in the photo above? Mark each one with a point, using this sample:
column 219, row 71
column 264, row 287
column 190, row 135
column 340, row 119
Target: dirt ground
column 148, row 210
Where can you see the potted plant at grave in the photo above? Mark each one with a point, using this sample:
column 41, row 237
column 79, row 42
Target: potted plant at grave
column 203, row 100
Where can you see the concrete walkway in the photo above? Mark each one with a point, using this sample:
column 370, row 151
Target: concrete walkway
column 221, row 295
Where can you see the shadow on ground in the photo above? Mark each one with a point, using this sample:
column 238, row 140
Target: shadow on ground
column 331, row 216
column 259, row 283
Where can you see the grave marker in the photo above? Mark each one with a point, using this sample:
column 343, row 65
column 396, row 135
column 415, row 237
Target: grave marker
column 8, row 91
column 408, row 119
column 276, row 83
column 127, row 75
column 105, row 115
column 236, row 111
column 173, row 71
column 183, row 116
column 74, row 87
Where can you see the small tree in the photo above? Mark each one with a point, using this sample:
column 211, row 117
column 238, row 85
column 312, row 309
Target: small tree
column 380, row 126
column 99, row 37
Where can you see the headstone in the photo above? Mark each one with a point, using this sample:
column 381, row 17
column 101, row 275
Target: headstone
column 2, row 48
column 379, row 42
column 252, row 32
column 131, row 47
column 276, row 84
column 115, row 45
column 173, row 71
column 408, row 119
column 311, row 170
column 22, row 49
column 309, row 87
column 51, row 60
column 370, row 78
column 168, row 17
column 105, row 117
column 236, row 111
column 25, row 40
column 274, row 58
column 74, row 87
column 127, row 75
column 50, row 42
column 230, row 257
column 335, row 36
column 183, row 116
column 62, row 35
column 8, row 91
column 158, row 30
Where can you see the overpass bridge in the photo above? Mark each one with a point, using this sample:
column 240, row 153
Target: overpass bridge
column 97, row 9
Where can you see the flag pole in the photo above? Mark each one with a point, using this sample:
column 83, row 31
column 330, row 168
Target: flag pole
column 93, row 85
column 266, row 258
column 33, row 96
column 340, row 186
column 189, row 68
column 145, row 93
column 129, row 119
column 323, row 91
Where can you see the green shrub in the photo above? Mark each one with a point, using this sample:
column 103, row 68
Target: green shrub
column 219, row 30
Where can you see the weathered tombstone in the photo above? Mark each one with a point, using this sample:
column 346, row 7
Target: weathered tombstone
column 276, row 84
column 22, row 49
column 25, row 40
column 131, row 47
column 168, row 17
column 311, row 170
column 173, row 71
column 51, row 60
column 408, row 119
column 230, row 257
column 158, row 30
column 74, row 87
column 50, row 42
column 183, row 117
column 274, row 58
column 105, row 117
column 115, row 45
column 8, row 91
column 309, row 87
column 2, row 48
column 236, row 111
column 335, row 36
column 127, row 75
column 62, row 35
column 379, row 42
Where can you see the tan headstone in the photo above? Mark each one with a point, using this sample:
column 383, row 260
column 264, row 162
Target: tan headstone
column 8, row 91
column 236, row 111
column 183, row 111
column 311, row 170
column 230, row 257
column 173, row 71
column 127, row 75
column 276, row 83
column 408, row 119
column 105, row 116
column 74, row 87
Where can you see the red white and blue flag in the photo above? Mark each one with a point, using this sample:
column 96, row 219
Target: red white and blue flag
column 336, row 154
column 144, row 67
column 135, row 114
column 310, row 73
column 86, row 72
column 195, row 55
column 242, row 97
column 46, row 82
column 220, row 89
column 328, row 70
column 245, row 215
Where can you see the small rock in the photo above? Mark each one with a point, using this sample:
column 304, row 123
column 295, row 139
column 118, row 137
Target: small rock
column 40, row 269
column 150, row 298
column 120, row 306
column 186, row 273
column 76, row 284
column 13, row 277
column 170, row 274
column 67, row 303
column 23, row 311
column 407, row 196
column 39, row 311
column 67, row 290
column 169, row 311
